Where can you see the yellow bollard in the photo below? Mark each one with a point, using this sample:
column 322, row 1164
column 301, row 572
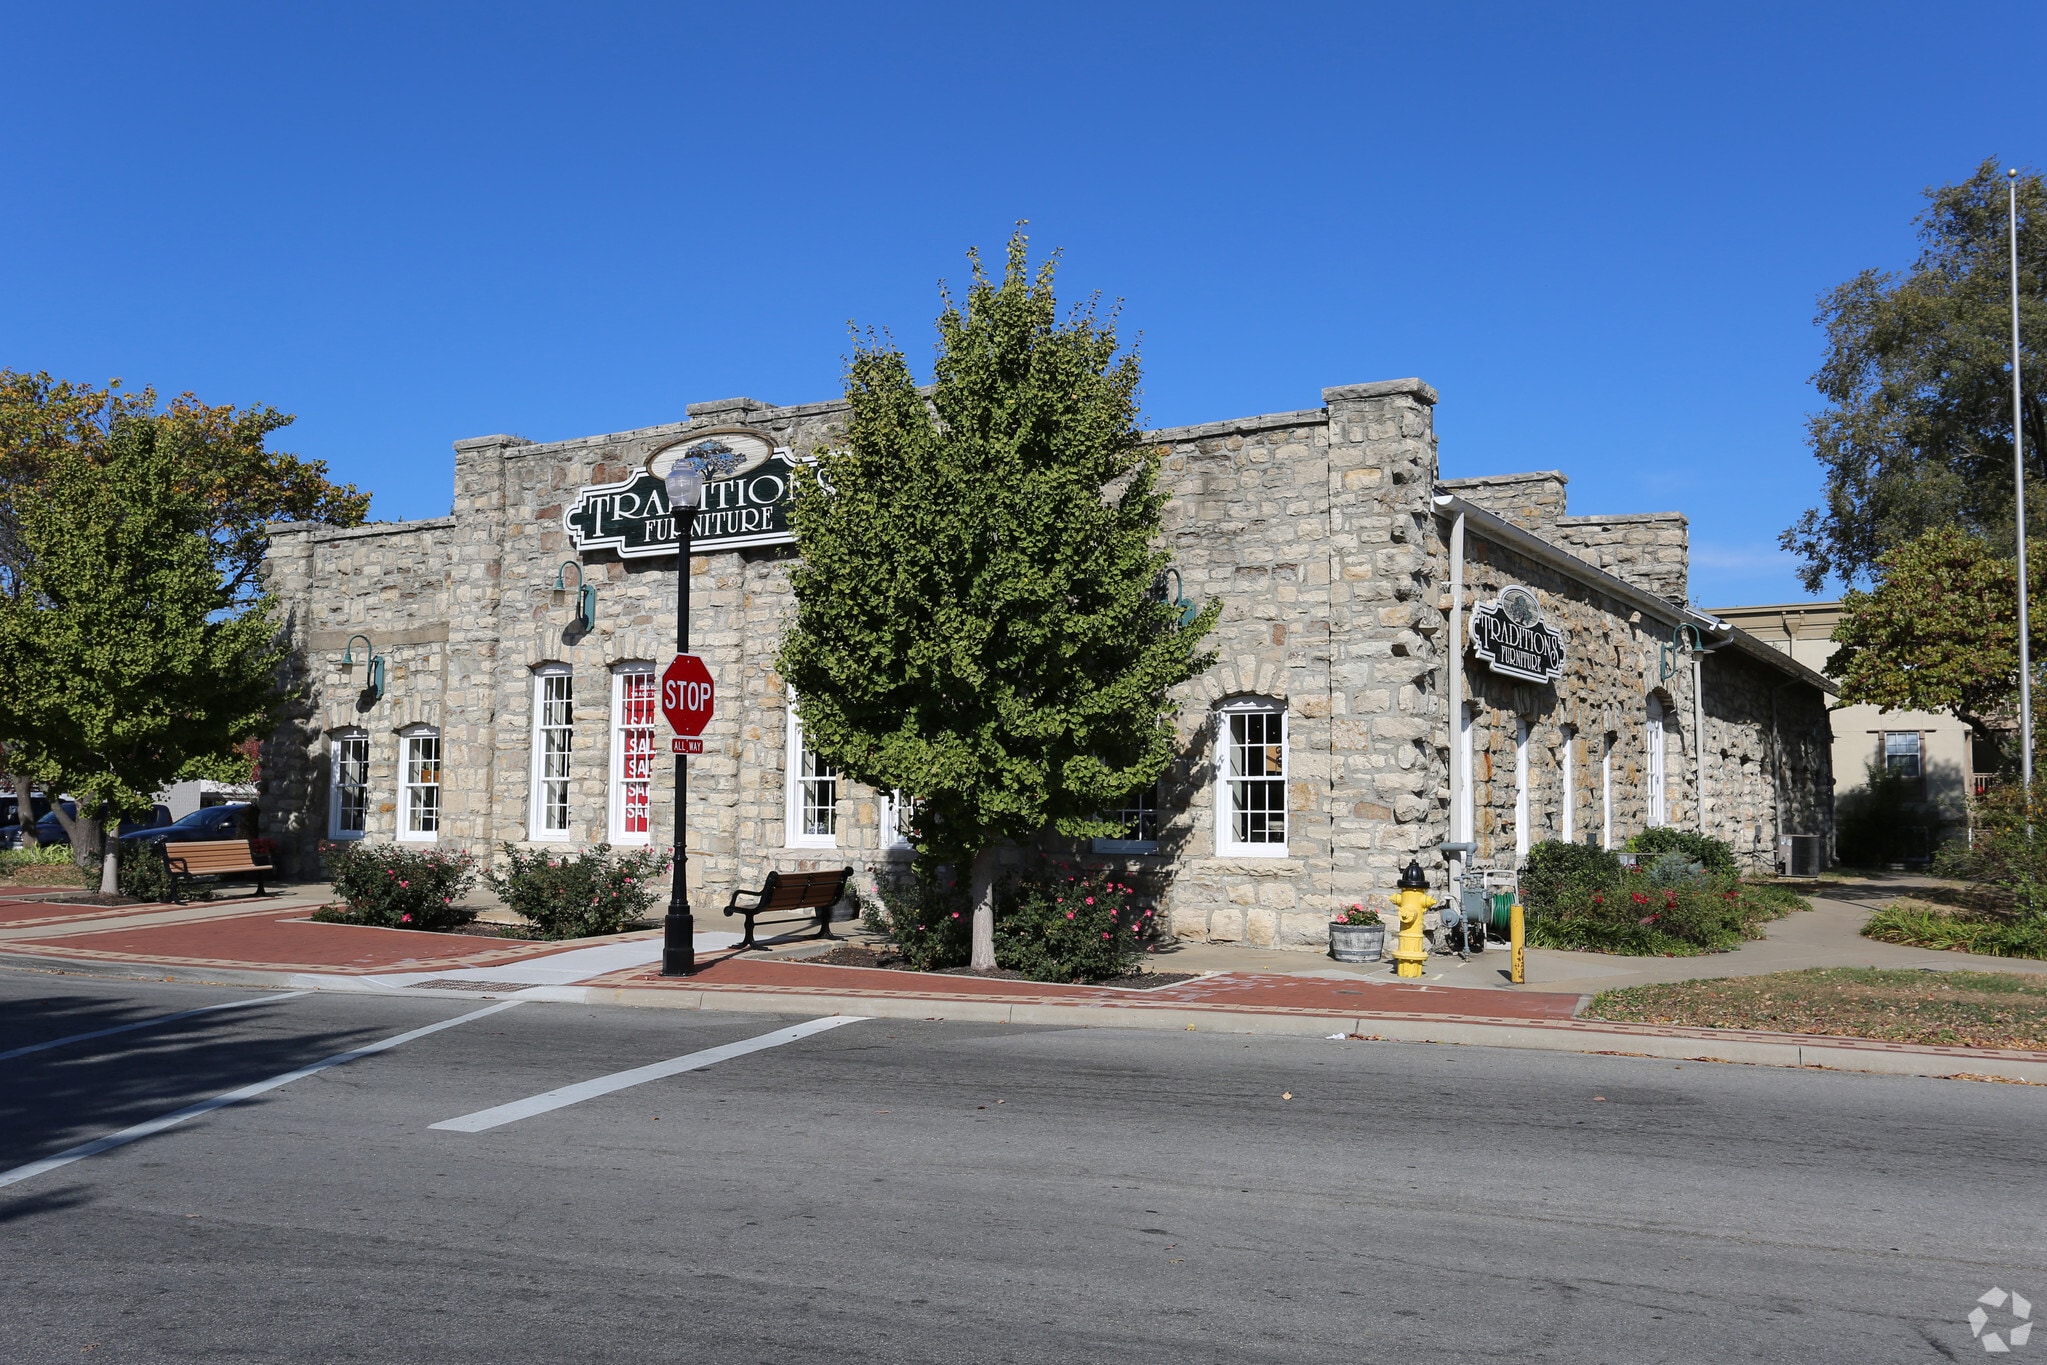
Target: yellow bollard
column 1517, row 935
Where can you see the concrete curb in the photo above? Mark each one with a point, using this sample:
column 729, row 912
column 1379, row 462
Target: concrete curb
column 1575, row 1035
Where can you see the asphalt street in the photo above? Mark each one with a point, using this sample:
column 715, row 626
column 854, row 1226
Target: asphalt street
column 938, row 1191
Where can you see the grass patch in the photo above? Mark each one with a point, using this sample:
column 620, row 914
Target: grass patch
column 1923, row 924
column 44, row 865
column 1950, row 1009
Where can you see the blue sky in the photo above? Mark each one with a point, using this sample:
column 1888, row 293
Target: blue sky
column 1599, row 231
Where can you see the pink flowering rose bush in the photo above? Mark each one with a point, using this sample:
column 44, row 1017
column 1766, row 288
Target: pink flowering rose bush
column 581, row 895
column 397, row 888
column 926, row 919
column 1062, row 922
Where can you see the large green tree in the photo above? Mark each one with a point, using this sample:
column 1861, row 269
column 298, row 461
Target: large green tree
column 1940, row 631
column 1917, row 431
column 55, row 431
column 975, row 626
column 126, row 657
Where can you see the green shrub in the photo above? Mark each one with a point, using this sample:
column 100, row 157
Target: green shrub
column 1715, row 855
column 144, row 876
column 1918, row 926
column 579, row 895
column 1675, row 869
column 397, row 888
column 1070, row 924
column 1558, row 874
column 2005, row 849
column 1636, row 917
column 925, row 918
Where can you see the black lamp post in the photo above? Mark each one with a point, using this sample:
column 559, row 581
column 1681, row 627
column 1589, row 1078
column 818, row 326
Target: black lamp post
column 685, row 483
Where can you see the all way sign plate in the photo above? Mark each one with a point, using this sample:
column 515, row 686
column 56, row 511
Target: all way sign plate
column 689, row 746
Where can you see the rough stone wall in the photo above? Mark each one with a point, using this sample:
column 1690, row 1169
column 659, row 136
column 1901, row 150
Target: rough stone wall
column 1534, row 502
column 1600, row 703
column 1651, row 550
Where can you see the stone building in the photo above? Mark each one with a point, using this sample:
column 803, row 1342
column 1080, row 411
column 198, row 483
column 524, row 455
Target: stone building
column 1331, row 742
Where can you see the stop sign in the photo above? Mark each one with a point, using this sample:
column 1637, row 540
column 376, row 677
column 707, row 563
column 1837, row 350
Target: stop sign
column 686, row 695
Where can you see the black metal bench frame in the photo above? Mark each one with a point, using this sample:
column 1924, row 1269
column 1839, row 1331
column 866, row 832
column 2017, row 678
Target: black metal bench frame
column 815, row 899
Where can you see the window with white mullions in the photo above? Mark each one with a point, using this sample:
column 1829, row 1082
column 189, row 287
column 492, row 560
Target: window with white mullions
column 812, row 813
column 1139, row 817
column 349, row 807
column 419, row 786
column 634, row 704
column 553, row 741
column 898, row 821
column 1902, row 753
column 1252, row 811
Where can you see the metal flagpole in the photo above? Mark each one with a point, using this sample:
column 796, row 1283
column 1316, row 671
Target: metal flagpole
column 2018, row 456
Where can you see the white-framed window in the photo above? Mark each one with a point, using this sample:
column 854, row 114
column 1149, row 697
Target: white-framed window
column 1467, row 804
column 1902, row 753
column 1569, row 826
column 897, row 811
column 1656, row 740
column 1520, row 788
column 1139, row 816
column 634, row 706
column 1606, row 792
column 348, row 796
column 1251, row 807
column 811, row 819
column 419, row 785
column 554, row 732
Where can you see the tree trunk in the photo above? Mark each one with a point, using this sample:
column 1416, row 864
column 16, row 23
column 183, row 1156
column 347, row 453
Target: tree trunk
column 25, row 809
column 110, row 869
column 83, row 829
column 983, row 887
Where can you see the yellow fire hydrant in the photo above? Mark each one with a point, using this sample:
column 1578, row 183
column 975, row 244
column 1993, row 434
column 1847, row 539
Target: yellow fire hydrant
column 1414, row 900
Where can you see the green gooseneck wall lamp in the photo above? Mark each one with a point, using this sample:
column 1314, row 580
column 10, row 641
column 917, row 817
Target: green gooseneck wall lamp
column 586, row 595
column 1678, row 648
column 376, row 661
column 1188, row 611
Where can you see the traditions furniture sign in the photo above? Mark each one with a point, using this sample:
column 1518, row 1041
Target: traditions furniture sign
column 746, row 499
column 1510, row 635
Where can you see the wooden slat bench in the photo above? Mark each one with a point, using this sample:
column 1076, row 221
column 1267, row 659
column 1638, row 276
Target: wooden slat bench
column 787, row 891
column 212, row 858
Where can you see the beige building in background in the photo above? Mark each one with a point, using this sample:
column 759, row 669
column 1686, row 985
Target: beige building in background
column 1933, row 748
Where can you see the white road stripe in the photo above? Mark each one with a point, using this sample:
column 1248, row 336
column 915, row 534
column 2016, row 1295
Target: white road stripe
column 193, row 1111
column 148, row 1023
column 622, row 1080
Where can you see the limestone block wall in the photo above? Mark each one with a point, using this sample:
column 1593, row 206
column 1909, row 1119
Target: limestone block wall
column 1651, row 550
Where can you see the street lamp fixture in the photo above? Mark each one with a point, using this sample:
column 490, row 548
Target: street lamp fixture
column 684, row 481
column 375, row 687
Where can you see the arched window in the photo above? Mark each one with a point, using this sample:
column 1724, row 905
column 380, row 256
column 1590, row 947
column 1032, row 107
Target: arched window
column 348, row 790
column 1656, row 741
column 1568, row 828
column 419, row 784
column 554, row 723
column 1251, row 803
column 1520, row 788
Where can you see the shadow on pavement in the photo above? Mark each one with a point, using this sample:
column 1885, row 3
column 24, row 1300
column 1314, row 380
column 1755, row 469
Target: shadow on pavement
column 53, row 1100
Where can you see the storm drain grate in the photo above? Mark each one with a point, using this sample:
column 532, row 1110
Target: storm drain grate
column 449, row 985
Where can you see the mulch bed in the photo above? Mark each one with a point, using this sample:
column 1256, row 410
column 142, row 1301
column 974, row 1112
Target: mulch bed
column 858, row 955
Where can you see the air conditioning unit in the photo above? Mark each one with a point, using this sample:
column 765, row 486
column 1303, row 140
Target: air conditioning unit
column 1801, row 855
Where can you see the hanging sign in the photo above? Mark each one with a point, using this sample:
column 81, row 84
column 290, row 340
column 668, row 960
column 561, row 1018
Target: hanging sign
column 1511, row 636
column 746, row 501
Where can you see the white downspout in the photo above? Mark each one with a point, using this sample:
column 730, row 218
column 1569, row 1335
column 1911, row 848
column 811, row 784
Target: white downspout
column 1460, row 780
